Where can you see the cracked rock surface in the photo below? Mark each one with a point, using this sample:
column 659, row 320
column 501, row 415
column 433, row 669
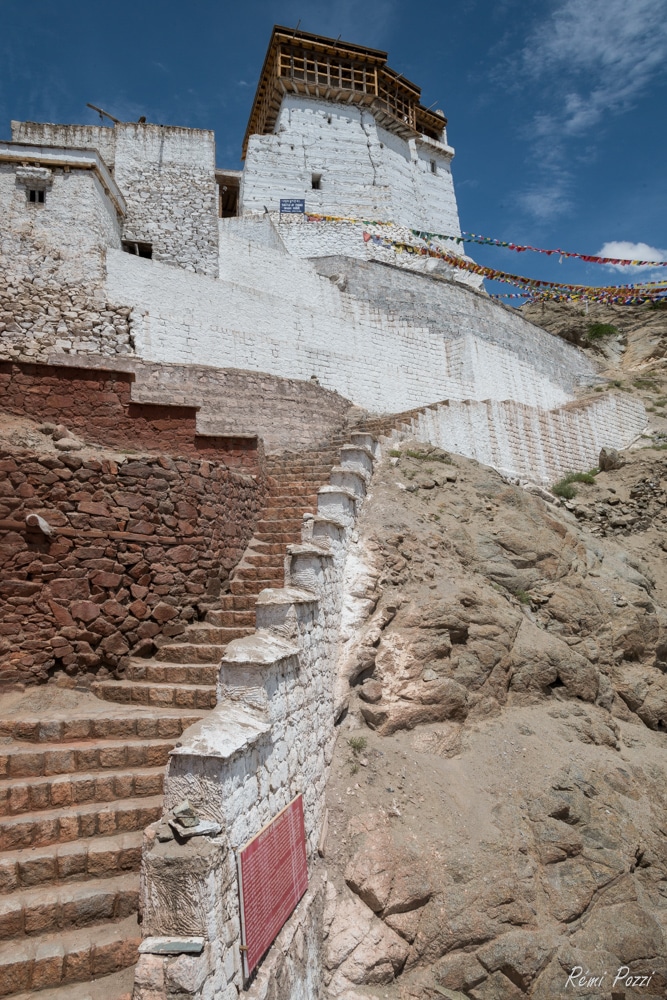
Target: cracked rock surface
column 498, row 799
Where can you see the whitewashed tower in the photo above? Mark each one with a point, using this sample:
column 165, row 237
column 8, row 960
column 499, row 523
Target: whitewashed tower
column 331, row 123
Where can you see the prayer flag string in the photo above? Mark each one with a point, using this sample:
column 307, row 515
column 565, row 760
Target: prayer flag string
column 627, row 294
column 466, row 237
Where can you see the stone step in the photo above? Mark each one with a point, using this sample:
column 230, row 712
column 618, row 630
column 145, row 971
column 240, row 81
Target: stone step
column 43, row 910
column 20, row 760
column 306, row 493
column 276, row 512
column 99, row 857
column 278, row 524
column 279, row 537
column 59, row 826
column 237, row 602
column 32, row 795
column 72, row 956
column 226, row 619
column 252, row 559
column 207, row 633
column 191, row 652
column 259, row 573
column 265, row 548
column 160, row 695
column 255, row 586
column 168, row 725
column 159, row 672
column 116, row 986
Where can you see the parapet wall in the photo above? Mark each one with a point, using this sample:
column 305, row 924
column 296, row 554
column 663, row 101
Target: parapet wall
column 533, row 444
column 274, row 313
column 270, row 738
column 98, row 405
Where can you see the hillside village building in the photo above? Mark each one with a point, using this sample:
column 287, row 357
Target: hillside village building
column 150, row 299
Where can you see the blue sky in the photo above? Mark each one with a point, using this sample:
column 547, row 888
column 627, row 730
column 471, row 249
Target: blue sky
column 556, row 108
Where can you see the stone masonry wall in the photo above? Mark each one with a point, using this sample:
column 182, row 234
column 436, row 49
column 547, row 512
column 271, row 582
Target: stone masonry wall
column 136, row 544
column 286, row 414
column 269, row 738
column 303, row 237
column 535, row 445
column 167, row 176
column 52, row 264
column 97, row 405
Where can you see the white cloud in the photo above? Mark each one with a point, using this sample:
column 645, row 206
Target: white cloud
column 545, row 202
column 591, row 60
column 600, row 56
column 624, row 250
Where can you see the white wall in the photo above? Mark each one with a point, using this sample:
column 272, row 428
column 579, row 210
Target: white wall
column 274, row 313
column 533, row 444
column 167, row 176
column 366, row 170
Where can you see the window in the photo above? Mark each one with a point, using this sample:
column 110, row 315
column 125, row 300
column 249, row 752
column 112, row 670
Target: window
column 138, row 249
column 37, row 196
column 434, row 167
column 316, row 182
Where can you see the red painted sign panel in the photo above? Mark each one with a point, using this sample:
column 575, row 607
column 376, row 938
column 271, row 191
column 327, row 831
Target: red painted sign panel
column 273, row 876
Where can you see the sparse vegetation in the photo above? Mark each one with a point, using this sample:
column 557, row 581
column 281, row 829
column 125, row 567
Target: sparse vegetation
column 564, row 487
column 432, row 456
column 357, row 744
column 522, row 596
column 598, row 331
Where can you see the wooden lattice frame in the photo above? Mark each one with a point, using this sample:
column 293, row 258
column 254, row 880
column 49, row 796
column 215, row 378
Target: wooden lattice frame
column 298, row 62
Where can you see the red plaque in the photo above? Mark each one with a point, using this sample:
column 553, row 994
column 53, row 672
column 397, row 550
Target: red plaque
column 273, row 876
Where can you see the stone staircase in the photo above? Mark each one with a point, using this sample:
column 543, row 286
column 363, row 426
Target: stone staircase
column 76, row 793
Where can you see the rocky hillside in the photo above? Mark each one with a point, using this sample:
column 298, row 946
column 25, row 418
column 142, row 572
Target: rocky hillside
column 498, row 806
column 632, row 337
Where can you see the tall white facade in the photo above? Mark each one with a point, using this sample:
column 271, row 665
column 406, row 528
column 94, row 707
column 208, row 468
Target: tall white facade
column 342, row 162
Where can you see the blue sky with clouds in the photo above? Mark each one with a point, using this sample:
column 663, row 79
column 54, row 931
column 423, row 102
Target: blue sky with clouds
column 556, row 108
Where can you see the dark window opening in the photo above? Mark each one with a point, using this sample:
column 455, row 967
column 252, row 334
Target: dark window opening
column 316, row 182
column 37, row 196
column 228, row 198
column 138, row 249
column 434, row 167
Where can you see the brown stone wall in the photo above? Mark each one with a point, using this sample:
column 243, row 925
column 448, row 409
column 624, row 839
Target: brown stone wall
column 96, row 406
column 138, row 547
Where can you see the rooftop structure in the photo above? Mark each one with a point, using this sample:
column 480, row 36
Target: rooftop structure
column 325, row 68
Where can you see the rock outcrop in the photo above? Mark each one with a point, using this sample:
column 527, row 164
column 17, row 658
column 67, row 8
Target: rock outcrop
column 498, row 798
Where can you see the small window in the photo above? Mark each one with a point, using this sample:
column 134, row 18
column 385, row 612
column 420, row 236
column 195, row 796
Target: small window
column 434, row 167
column 316, row 182
column 138, row 249
column 37, row 196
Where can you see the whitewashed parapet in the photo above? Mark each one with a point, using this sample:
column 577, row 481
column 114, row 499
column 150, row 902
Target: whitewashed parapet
column 526, row 441
column 270, row 737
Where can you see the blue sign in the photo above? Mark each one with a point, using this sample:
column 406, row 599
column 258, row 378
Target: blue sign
column 292, row 206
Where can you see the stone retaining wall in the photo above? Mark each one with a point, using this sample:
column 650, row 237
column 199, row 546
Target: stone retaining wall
column 97, row 405
column 534, row 444
column 136, row 545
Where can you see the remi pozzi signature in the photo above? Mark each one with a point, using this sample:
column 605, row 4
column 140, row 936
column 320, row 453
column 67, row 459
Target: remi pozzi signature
column 578, row 979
